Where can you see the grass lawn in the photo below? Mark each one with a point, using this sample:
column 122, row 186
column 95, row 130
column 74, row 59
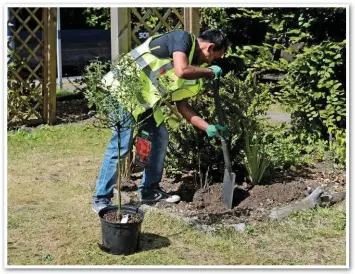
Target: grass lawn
column 51, row 180
column 63, row 92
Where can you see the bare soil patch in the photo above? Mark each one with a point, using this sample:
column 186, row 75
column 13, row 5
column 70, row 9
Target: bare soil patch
column 75, row 110
column 205, row 204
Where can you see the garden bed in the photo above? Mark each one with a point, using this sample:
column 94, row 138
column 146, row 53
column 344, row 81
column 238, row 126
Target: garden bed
column 204, row 203
column 206, row 207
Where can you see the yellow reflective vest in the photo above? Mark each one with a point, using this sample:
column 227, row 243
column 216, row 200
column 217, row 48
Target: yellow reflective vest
column 160, row 80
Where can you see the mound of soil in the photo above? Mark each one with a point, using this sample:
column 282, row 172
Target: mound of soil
column 268, row 196
column 205, row 203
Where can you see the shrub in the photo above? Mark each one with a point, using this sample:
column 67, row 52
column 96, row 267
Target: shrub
column 107, row 91
column 314, row 88
column 338, row 148
column 242, row 102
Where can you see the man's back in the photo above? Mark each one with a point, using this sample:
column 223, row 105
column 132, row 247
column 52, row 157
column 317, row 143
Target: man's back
column 165, row 45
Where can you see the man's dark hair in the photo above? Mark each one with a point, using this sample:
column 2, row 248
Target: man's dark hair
column 216, row 36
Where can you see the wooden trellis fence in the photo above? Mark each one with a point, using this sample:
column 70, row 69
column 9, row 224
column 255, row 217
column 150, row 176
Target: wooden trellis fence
column 31, row 48
column 128, row 23
column 31, row 63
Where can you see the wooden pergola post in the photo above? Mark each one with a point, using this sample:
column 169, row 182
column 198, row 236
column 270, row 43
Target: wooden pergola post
column 50, row 64
column 192, row 20
column 120, row 31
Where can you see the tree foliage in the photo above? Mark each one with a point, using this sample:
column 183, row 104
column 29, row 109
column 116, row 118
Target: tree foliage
column 307, row 46
column 98, row 17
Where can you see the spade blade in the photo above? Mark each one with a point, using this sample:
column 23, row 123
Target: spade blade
column 228, row 188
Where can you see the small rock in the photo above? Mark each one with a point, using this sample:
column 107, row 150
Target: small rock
column 239, row 227
column 27, row 129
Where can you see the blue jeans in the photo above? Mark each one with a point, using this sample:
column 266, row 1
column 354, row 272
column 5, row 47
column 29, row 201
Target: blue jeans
column 152, row 176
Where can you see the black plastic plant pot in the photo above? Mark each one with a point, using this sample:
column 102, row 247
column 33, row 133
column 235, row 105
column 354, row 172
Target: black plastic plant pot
column 118, row 238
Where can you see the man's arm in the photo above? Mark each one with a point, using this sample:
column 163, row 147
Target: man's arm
column 186, row 71
column 190, row 115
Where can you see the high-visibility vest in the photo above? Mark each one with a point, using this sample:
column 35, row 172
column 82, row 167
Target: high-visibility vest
column 160, row 80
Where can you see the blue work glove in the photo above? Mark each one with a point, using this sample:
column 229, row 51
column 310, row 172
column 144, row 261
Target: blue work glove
column 217, row 71
column 212, row 130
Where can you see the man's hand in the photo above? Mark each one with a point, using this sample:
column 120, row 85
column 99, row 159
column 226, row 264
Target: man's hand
column 212, row 129
column 217, row 71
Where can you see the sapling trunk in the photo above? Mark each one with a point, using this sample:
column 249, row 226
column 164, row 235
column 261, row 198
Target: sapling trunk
column 119, row 211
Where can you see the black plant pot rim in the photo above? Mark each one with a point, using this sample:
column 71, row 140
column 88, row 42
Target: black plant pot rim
column 125, row 209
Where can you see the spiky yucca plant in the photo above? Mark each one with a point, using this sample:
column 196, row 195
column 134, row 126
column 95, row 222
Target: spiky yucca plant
column 256, row 160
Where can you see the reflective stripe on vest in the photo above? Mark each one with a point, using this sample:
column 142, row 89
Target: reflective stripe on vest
column 151, row 67
column 152, row 75
column 141, row 101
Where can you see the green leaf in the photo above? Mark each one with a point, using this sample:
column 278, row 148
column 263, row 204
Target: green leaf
column 336, row 86
column 317, row 95
column 330, row 70
column 295, row 38
column 294, row 31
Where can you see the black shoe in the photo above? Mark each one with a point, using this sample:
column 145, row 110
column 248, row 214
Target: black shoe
column 99, row 204
column 156, row 195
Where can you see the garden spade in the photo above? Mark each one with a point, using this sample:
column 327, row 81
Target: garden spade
column 229, row 176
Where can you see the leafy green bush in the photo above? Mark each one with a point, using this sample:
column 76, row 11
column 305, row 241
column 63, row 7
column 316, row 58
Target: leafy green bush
column 243, row 104
column 283, row 148
column 338, row 148
column 288, row 149
column 254, row 32
column 314, row 88
column 271, row 148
